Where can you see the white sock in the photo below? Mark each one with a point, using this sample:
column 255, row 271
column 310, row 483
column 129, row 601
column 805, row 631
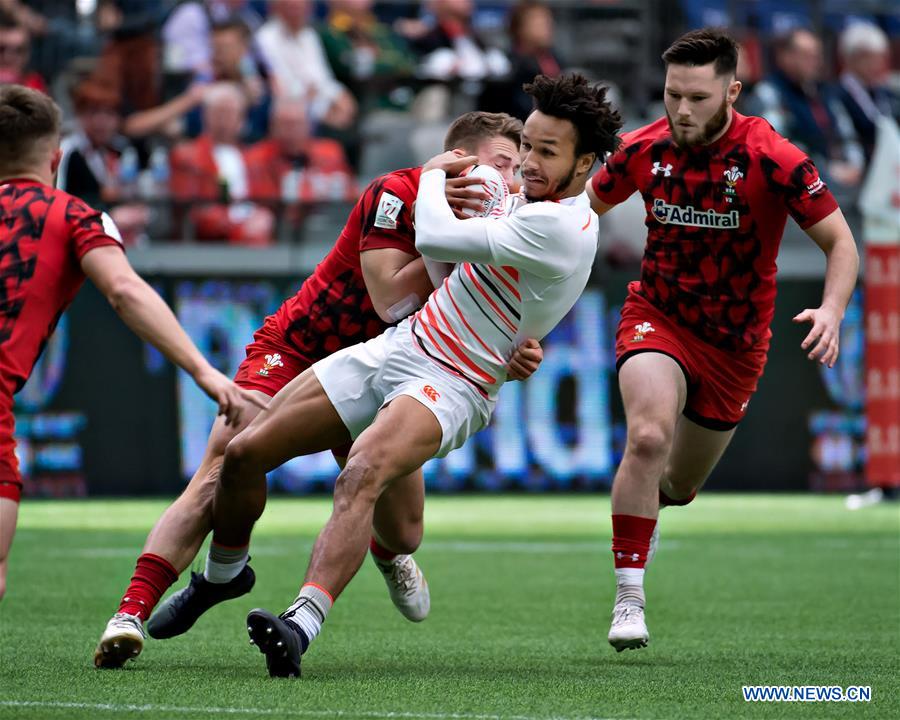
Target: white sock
column 630, row 585
column 308, row 612
column 225, row 564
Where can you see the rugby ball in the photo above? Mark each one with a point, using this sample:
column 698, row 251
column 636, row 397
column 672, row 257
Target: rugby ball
column 492, row 183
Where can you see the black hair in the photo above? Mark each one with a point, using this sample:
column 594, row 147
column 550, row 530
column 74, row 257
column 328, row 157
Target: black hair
column 572, row 97
column 232, row 23
column 702, row 47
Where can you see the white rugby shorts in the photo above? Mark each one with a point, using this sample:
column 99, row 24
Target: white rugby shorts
column 362, row 379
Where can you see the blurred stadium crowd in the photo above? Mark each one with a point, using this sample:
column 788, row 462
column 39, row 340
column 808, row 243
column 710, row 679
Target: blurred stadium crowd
column 232, row 120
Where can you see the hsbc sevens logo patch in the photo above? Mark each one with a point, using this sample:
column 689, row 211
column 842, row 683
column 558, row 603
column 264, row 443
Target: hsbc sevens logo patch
column 431, row 393
column 389, row 207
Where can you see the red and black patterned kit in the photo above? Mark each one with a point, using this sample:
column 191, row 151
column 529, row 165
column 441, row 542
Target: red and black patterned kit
column 44, row 233
column 715, row 217
column 332, row 309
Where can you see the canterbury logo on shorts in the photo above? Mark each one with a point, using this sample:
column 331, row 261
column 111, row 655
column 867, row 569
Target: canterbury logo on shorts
column 431, row 393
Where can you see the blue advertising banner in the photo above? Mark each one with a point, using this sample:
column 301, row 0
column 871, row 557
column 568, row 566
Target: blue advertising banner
column 106, row 414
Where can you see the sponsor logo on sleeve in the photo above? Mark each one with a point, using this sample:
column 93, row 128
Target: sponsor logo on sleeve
column 815, row 186
column 431, row 393
column 389, row 207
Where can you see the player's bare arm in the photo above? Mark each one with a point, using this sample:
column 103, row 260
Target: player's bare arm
column 397, row 282
column 145, row 312
column 833, row 235
column 597, row 205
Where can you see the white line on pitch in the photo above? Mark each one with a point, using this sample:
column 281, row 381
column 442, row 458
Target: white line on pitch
column 280, row 712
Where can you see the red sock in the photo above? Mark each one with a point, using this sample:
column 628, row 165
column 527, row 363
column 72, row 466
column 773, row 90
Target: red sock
column 631, row 540
column 380, row 552
column 666, row 500
column 153, row 575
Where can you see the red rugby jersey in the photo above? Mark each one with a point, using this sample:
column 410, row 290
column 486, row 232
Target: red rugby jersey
column 332, row 309
column 44, row 233
column 715, row 217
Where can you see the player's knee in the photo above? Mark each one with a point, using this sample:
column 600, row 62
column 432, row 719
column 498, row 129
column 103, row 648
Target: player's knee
column 649, row 440
column 218, row 443
column 362, row 479
column 241, row 455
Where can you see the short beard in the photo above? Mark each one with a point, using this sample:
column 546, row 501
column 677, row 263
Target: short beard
column 561, row 187
column 712, row 128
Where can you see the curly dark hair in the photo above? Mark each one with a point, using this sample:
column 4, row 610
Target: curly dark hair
column 572, row 97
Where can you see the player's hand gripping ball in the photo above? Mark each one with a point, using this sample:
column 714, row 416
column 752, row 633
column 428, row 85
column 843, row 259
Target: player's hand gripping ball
column 494, row 185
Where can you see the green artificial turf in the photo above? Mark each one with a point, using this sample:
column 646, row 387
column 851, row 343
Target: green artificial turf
column 746, row 589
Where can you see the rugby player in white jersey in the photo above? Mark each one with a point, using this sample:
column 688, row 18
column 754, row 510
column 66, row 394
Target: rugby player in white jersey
column 423, row 387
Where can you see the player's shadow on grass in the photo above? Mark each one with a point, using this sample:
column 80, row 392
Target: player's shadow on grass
column 562, row 670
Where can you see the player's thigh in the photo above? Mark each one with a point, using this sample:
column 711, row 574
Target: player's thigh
column 654, row 391
column 695, row 452
column 9, row 514
column 299, row 420
column 404, row 435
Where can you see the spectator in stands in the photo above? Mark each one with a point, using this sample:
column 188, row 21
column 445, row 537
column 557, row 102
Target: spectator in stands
column 450, row 49
column 210, row 179
column 299, row 68
column 168, row 119
column 531, row 30
column 293, row 167
column 800, row 107
column 361, row 49
column 18, row 13
column 863, row 89
column 129, row 61
column 91, row 165
column 233, row 62
column 186, row 32
column 15, row 52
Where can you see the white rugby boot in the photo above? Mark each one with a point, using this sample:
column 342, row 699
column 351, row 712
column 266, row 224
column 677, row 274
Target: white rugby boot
column 628, row 630
column 122, row 641
column 406, row 585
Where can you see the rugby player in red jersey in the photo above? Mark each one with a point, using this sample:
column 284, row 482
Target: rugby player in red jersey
column 49, row 242
column 372, row 278
column 692, row 342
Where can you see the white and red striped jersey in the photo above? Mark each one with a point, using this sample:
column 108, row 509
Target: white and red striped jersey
column 516, row 277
